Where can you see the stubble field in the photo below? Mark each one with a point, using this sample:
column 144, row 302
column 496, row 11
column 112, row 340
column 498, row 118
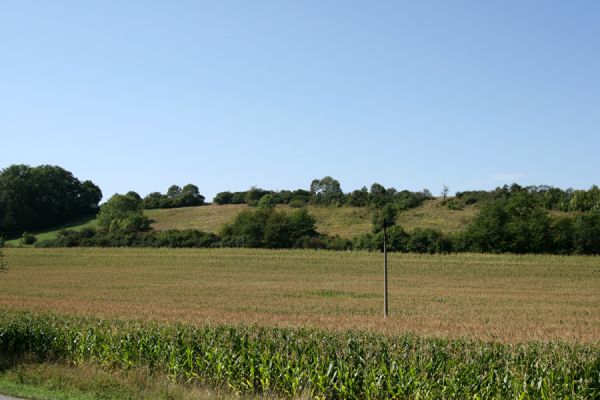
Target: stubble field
column 504, row 298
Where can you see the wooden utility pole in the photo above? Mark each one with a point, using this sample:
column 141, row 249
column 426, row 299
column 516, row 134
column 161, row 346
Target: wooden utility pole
column 385, row 274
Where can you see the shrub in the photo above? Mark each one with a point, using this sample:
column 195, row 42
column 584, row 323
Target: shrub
column 297, row 203
column 428, row 241
column 28, row 238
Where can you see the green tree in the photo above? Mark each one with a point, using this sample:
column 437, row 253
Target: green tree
column 173, row 192
column 267, row 201
column 383, row 217
column 123, row 213
column 587, row 233
column 563, row 235
column 223, row 198
column 34, row 198
column 190, row 196
column 326, row 190
column 28, row 238
column 302, row 225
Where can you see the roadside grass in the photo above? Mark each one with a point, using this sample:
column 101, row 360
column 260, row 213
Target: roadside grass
column 506, row 298
column 86, row 381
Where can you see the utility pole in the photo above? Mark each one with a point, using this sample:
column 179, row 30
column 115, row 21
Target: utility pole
column 385, row 274
column 384, row 218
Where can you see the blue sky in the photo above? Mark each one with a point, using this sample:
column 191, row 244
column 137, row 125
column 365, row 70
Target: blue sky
column 139, row 95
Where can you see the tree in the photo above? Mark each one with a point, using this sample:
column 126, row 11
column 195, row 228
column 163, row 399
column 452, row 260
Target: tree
column 359, row 198
column 384, row 218
column 587, row 233
column 326, row 190
column 302, row 225
column 223, row 198
column 123, row 213
column 445, row 191
column 267, row 201
column 378, row 195
column 254, row 195
column 190, row 196
column 28, row 238
column 35, row 198
column 152, row 200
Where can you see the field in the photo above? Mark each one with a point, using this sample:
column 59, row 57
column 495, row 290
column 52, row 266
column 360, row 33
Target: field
column 505, row 298
column 346, row 222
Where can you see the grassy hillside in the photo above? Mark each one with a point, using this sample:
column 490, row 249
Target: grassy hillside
column 343, row 221
column 51, row 234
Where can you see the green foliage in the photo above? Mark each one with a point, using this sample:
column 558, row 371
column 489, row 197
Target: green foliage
column 36, row 198
column 586, row 237
column 311, row 363
column 326, row 191
column 269, row 228
column 223, row 198
column 297, row 203
column 384, row 217
column 428, row 241
column 518, row 223
column 254, row 195
column 28, row 238
column 188, row 238
column 267, row 201
column 188, row 196
column 123, row 213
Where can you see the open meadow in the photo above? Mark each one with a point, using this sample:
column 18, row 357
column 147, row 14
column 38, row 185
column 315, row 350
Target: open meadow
column 505, row 298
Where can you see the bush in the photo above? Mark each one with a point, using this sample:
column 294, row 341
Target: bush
column 428, row 241
column 297, row 203
column 454, row 204
column 587, row 233
column 269, row 228
column 28, row 238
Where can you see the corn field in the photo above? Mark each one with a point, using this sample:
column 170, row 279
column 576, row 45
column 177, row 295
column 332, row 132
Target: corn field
column 312, row 363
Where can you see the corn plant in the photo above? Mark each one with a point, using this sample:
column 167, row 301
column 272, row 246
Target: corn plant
column 313, row 363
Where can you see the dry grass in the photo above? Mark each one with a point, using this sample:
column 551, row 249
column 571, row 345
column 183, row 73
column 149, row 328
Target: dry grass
column 500, row 297
column 346, row 222
column 209, row 218
column 88, row 381
column 433, row 214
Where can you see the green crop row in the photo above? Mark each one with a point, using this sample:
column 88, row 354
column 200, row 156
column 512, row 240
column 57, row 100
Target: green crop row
column 312, row 363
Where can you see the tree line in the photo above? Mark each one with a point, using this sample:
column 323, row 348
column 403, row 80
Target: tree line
column 36, row 198
column 327, row 191
column 515, row 223
column 511, row 219
column 121, row 222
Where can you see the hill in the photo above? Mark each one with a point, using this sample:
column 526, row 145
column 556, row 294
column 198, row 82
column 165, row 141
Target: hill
column 344, row 221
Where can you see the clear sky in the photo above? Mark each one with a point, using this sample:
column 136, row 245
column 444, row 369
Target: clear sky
column 139, row 95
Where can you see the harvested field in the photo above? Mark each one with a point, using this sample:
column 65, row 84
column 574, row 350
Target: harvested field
column 506, row 298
